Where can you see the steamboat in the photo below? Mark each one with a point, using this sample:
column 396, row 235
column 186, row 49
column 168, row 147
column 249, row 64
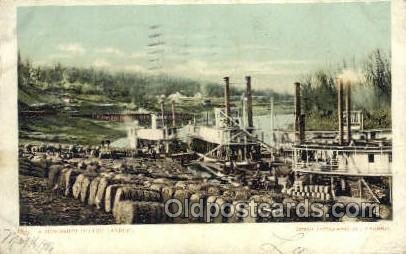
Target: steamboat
column 231, row 143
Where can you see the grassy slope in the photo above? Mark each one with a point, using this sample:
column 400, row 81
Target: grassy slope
column 60, row 127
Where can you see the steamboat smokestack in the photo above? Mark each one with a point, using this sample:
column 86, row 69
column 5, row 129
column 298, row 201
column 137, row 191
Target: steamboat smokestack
column 162, row 111
column 302, row 128
column 340, row 112
column 249, row 103
column 227, row 96
column 299, row 118
column 173, row 114
column 348, row 109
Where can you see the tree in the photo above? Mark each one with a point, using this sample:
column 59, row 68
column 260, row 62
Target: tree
column 377, row 73
column 372, row 93
column 319, row 93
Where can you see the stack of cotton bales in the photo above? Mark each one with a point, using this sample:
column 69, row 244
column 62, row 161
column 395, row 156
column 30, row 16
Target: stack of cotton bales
column 320, row 192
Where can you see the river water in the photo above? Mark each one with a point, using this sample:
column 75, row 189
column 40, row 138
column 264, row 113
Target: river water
column 280, row 122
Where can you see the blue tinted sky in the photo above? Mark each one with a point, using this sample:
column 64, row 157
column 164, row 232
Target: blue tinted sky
column 274, row 43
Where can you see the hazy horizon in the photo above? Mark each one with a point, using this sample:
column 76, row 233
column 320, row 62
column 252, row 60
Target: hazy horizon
column 274, row 43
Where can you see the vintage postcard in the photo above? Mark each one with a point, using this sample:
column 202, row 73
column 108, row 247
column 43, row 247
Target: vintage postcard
column 216, row 122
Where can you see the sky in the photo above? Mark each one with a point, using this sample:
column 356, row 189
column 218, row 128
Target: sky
column 276, row 44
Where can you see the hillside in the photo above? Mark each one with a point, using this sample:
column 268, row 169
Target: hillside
column 60, row 91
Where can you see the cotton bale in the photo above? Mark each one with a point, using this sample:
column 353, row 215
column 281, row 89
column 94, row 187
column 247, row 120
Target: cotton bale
column 157, row 187
column 101, row 191
column 110, row 195
column 181, row 184
column 223, row 204
column 85, row 187
column 167, row 192
column 70, row 176
column 93, row 190
column 130, row 212
column 195, row 187
column 127, row 193
column 214, row 190
column 183, row 196
column 53, row 175
column 61, row 182
column 197, row 207
column 77, row 186
column 210, row 208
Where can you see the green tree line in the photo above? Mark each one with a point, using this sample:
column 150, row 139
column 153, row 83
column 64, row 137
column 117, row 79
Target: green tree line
column 371, row 93
column 139, row 88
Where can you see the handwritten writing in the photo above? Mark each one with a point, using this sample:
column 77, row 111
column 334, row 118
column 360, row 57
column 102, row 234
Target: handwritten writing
column 23, row 242
column 278, row 244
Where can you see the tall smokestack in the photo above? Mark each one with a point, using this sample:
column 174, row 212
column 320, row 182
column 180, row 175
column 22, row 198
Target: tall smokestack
column 340, row 112
column 249, row 103
column 298, row 114
column 348, row 109
column 163, row 112
column 302, row 128
column 173, row 114
column 227, row 96
column 272, row 114
column 243, row 111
